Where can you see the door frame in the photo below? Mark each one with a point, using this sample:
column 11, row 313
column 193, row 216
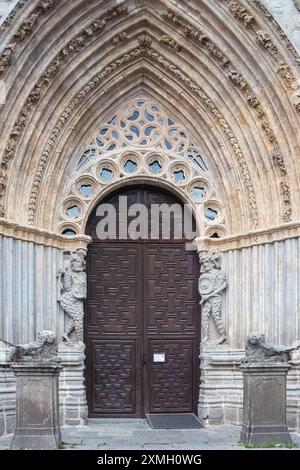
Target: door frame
column 144, row 372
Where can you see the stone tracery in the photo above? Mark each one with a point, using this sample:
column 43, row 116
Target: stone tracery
column 142, row 140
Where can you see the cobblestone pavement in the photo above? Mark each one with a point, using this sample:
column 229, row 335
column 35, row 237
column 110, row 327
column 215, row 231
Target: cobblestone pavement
column 123, row 434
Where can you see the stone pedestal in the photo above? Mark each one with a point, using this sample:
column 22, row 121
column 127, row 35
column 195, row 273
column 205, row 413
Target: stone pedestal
column 72, row 395
column 264, row 410
column 37, row 413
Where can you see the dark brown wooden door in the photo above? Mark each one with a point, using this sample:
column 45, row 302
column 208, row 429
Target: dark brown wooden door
column 142, row 303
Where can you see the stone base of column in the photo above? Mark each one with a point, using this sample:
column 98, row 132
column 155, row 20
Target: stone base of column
column 50, row 439
column 37, row 413
column 72, row 393
column 264, row 411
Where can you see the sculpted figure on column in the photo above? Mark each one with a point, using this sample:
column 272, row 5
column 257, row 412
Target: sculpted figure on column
column 73, row 286
column 212, row 283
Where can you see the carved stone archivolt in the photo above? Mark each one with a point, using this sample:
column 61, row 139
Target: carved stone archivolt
column 23, row 32
column 76, row 45
column 183, row 71
column 144, row 41
column 237, row 79
column 264, row 39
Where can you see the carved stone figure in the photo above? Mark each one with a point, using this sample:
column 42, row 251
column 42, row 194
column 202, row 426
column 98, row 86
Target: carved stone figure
column 212, row 283
column 72, row 283
column 45, row 347
column 258, row 350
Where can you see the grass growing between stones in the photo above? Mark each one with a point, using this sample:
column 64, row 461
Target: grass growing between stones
column 271, row 445
column 66, row 445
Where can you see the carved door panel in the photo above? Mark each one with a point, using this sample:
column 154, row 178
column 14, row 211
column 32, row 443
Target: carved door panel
column 142, row 304
column 113, row 329
column 171, row 328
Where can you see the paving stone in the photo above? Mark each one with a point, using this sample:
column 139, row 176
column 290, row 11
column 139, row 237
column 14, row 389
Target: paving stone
column 120, row 435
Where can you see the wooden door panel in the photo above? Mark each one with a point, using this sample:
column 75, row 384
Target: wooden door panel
column 170, row 383
column 171, row 301
column 113, row 326
column 114, row 288
column 116, row 384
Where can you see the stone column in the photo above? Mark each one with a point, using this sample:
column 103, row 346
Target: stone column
column 264, row 410
column 37, row 413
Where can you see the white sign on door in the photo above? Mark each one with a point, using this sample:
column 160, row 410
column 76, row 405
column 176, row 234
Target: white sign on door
column 159, row 357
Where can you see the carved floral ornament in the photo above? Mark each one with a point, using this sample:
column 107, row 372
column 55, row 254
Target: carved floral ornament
column 141, row 141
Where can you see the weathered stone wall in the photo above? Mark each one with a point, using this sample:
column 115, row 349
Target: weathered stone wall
column 287, row 13
column 263, row 292
column 7, row 399
column 221, row 391
column 28, row 290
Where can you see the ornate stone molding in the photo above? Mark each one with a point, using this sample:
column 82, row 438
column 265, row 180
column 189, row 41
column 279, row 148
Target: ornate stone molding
column 237, row 79
column 266, row 42
column 234, row 6
column 170, row 42
column 42, row 237
column 24, row 30
column 119, row 38
column 77, row 44
column 254, row 238
column 261, row 9
column 144, row 49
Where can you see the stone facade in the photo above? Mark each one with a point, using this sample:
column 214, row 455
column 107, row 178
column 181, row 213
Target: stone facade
column 235, row 114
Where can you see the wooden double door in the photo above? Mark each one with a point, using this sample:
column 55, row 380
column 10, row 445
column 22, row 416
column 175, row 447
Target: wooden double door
column 142, row 322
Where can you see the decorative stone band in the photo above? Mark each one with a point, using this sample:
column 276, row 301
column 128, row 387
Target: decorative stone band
column 253, row 238
column 235, row 242
column 42, row 237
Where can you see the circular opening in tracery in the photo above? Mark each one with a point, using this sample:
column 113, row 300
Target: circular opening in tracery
column 179, row 176
column 74, row 212
column 69, row 232
column 179, row 173
column 130, row 166
column 86, row 190
column 211, row 214
column 198, row 193
column 107, row 171
column 155, row 167
column 106, row 175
